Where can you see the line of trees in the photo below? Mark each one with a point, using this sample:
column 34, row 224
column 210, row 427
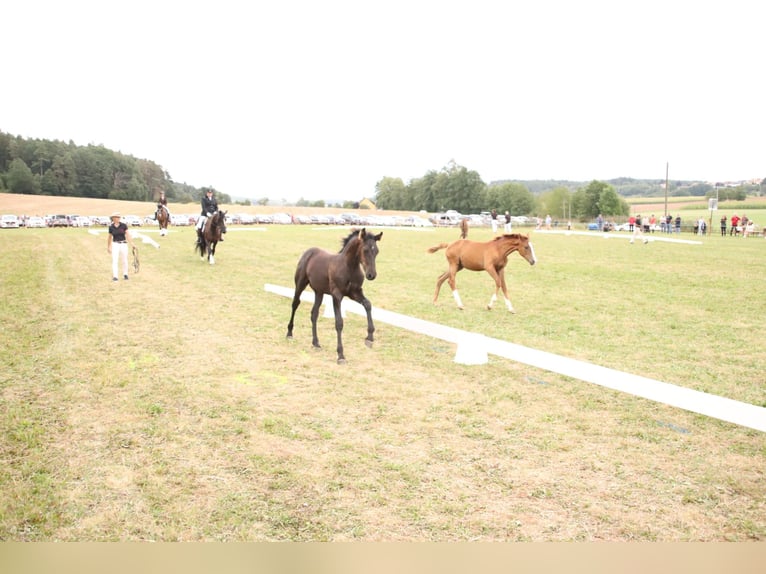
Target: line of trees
column 456, row 187
column 52, row 167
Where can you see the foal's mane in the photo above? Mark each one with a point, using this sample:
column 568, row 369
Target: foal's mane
column 346, row 240
column 517, row 236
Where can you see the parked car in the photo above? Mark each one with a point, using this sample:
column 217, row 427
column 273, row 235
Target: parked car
column 79, row 221
column 9, row 221
column 446, row 219
column 179, row 219
column 351, row 218
column 35, row 222
column 475, row 220
column 281, row 218
column 132, row 220
column 99, row 220
column 59, row 221
column 417, row 221
column 337, row 219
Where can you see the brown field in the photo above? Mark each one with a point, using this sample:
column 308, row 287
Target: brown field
column 45, row 205
column 647, row 206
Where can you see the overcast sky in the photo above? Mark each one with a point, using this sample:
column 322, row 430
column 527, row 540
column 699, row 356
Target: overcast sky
column 322, row 99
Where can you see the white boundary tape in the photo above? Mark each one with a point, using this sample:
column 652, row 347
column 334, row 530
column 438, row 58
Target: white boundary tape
column 651, row 237
column 714, row 406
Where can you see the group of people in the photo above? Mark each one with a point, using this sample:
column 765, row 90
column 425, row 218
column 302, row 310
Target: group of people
column 506, row 218
column 738, row 224
column 119, row 237
column 669, row 225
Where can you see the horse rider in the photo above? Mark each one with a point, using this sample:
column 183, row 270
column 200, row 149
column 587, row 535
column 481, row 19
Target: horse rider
column 161, row 202
column 209, row 207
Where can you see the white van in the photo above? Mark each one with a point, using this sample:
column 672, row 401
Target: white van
column 450, row 217
column 9, row 221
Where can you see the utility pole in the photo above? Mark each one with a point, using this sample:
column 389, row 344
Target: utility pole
column 666, row 189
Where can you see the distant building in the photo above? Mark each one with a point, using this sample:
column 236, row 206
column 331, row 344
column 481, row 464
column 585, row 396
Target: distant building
column 367, row 203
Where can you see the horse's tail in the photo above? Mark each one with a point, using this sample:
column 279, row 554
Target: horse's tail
column 436, row 248
column 463, row 229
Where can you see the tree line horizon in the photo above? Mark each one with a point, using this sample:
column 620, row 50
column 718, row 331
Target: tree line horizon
column 52, row 167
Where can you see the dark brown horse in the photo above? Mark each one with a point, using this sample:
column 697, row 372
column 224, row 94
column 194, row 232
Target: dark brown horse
column 490, row 256
column 163, row 218
column 210, row 235
column 338, row 275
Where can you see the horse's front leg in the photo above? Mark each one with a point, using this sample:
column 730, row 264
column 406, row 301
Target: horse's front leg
column 365, row 302
column 211, row 252
column 497, row 279
column 500, row 285
column 314, row 315
column 336, row 301
column 370, row 325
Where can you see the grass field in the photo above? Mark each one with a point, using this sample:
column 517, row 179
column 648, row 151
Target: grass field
column 171, row 406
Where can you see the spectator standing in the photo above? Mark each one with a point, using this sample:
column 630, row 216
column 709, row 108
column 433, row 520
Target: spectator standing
column 723, row 226
column 507, row 221
column 494, row 220
column 678, row 224
column 734, row 225
column 669, row 223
